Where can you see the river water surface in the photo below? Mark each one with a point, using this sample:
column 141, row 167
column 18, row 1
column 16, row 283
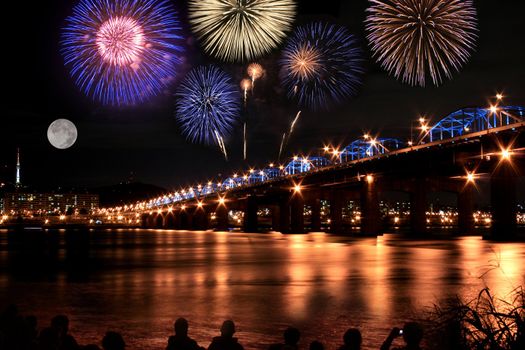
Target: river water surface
column 138, row 282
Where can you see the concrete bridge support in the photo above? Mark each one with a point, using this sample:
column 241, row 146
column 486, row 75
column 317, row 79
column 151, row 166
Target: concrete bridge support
column 284, row 215
column 466, row 209
column 418, row 207
column 503, row 202
column 250, row 214
column 276, row 218
column 297, row 213
column 315, row 205
column 186, row 219
column 336, row 211
column 221, row 215
column 370, row 213
column 200, row 219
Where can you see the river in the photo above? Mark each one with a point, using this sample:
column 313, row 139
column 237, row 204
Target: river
column 139, row 281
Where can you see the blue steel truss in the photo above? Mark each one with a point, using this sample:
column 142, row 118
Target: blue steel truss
column 469, row 120
column 461, row 122
column 303, row 164
column 368, row 148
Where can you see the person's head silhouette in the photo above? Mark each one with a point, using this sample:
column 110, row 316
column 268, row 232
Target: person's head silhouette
column 316, row 345
column 113, row 341
column 352, row 338
column 61, row 324
column 228, row 329
column 181, row 327
column 291, row 336
column 412, row 334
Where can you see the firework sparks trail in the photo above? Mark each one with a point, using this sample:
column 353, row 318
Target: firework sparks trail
column 282, row 146
column 255, row 71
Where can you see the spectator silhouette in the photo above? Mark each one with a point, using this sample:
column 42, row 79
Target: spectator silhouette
column 181, row 341
column 412, row 335
column 91, row 347
column 226, row 341
column 351, row 340
column 113, row 341
column 291, row 337
column 60, row 324
column 13, row 330
column 316, row 345
column 48, row 339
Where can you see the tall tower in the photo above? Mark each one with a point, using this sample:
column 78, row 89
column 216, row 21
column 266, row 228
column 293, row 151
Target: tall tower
column 18, row 183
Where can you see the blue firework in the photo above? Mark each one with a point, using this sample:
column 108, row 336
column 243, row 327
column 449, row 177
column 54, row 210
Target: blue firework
column 208, row 105
column 321, row 65
column 122, row 52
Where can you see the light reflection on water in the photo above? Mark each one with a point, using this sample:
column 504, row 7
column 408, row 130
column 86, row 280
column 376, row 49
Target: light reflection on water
column 138, row 282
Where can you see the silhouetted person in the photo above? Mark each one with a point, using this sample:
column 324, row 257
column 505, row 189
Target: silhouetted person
column 226, row 341
column 31, row 331
column 113, row 341
column 48, row 339
column 316, row 345
column 351, row 340
column 60, row 324
column 90, row 347
column 412, row 334
column 291, row 337
column 181, row 341
column 13, row 329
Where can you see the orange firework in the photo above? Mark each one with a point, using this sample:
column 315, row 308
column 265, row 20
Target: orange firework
column 304, row 63
column 255, row 71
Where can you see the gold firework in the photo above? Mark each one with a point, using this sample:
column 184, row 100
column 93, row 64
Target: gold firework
column 304, row 63
column 413, row 39
column 241, row 30
column 255, row 71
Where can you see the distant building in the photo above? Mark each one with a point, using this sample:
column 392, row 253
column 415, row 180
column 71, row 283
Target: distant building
column 20, row 200
column 47, row 203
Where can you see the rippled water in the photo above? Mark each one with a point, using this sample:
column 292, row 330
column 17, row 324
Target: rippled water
column 139, row 282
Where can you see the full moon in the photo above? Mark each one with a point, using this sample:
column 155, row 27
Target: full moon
column 62, row 133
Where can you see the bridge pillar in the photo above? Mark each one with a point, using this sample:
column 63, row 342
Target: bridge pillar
column 336, row 211
column 276, row 218
column 177, row 221
column 284, row 215
column 221, row 215
column 297, row 213
column 186, row 219
column 503, row 202
column 200, row 219
column 466, row 209
column 315, row 205
column 418, row 208
column 144, row 220
column 250, row 214
column 370, row 213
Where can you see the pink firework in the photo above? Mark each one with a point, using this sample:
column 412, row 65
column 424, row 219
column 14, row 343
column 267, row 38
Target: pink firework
column 120, row 41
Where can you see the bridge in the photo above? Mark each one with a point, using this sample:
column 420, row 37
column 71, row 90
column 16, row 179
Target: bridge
column 452, row 155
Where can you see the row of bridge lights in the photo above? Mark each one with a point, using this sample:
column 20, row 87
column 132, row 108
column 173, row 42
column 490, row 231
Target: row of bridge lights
column 424, row 127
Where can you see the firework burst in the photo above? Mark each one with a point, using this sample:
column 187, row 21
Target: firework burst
column 414, row 39
column 321, row 65
column 240, row 30
column 207, row 105
column 255, row 71
column 121, row 52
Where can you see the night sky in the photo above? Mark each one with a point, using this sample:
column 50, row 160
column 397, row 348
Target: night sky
column 146, row 140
